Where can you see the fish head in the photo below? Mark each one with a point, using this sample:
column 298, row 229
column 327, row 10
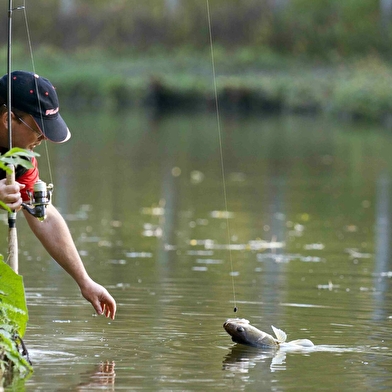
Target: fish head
column 237, row 328
column 242, row 332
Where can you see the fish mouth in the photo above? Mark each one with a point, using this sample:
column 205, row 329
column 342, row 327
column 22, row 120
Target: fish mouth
column 226, row 323
column 232, row 324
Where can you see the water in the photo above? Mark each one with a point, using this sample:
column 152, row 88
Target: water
column 305, row 239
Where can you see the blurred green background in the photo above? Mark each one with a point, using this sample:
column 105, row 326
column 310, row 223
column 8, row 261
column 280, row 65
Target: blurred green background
column 324, row 28
column 299, row 55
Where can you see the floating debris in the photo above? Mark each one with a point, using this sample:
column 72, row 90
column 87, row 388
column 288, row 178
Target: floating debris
column 299, row 305
column 151, row 230
column 297, row 231
column 357, row 255
column 277, row 258
column 154, row 211
column 316, row 246
column 121, row 262
column 138, row 255
column 386, row 274
column 78, row 216
column 198, row 222
column 367, row 288
column 116, row 223
column 311, row 259
column 222, row 214
column 286, row 258
column 251, row 245
column 197, row 268
column 105, row 244
column 261, row 244
column 197, row 177
column 200, row 252
column 176, row 171
column 169, row 247
column 280, row 216
column 209, row 261
column 330, row 286
column 123, row 285
column 85, row 238
column 237, row 177
column 207, row 243
column 229, row 247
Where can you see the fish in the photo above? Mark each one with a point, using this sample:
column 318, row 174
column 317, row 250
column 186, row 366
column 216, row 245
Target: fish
column 242, row 332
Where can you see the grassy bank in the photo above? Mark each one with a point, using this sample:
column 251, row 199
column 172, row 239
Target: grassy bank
column 246, row 81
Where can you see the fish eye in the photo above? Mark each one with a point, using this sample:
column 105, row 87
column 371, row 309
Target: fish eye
column 240, row 329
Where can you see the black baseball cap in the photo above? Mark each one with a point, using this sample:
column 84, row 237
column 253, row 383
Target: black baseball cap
column 36, row 96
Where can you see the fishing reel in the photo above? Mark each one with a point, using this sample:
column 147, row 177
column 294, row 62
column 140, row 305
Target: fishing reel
column 39, row 200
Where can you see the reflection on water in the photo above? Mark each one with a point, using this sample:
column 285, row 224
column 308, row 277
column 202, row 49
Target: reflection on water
column 308, row 249
column 102, row 377
column 241, row 359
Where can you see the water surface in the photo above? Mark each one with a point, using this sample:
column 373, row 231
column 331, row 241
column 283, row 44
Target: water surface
column 304, row 236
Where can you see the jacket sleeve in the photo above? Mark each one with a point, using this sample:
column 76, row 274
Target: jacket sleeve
column 29, row 178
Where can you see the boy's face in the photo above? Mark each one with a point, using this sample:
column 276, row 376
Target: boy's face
column 25, row 133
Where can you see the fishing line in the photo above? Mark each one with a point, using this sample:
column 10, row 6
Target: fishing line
column 221, row 150
column 36, row 87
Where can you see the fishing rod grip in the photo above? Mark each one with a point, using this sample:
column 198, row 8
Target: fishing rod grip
column 11, row 176
column 12, row 233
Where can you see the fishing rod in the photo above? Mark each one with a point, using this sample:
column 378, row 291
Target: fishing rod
column 12, row 233
column 41, row 196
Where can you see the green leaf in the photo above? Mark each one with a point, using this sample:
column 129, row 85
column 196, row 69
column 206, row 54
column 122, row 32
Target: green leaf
column 17, row 156
column 13, row 320
column 9, row 346
column 12, row 298
column 16, row 151
column 17, row 161
column 4, row 206
column 4, row 167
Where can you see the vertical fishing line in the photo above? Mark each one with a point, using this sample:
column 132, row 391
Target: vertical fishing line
column 221, row 150
column 39, row 103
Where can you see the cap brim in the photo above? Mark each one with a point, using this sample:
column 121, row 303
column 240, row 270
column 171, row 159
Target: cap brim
column 55, row 128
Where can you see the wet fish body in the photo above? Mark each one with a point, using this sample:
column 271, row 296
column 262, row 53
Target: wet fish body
column 242, row 332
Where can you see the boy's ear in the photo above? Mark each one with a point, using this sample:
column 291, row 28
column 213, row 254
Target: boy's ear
column 4, row 119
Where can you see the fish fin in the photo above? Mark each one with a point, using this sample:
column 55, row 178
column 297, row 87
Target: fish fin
column 281, row 336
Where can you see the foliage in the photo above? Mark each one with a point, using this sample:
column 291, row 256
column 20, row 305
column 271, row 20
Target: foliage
column 246, row 81
column 364, row 91
column 327, row 28
column 270, row 49
column 13, row 322
column 331, row 28
column 16, row 156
